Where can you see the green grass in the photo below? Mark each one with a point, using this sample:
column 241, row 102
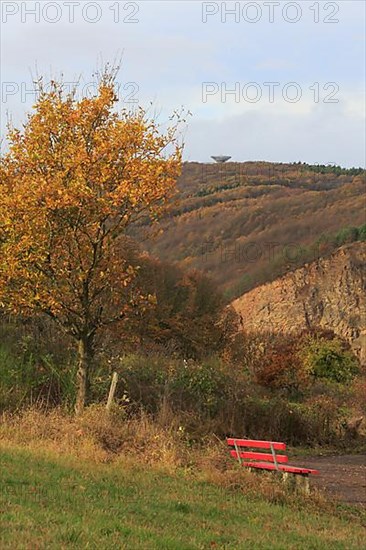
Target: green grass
column 54, row 503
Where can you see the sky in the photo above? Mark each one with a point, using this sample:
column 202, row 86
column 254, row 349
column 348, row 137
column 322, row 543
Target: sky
column 277, row 81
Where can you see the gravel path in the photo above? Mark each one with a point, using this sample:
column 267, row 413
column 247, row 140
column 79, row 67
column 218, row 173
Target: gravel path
column 341, row 476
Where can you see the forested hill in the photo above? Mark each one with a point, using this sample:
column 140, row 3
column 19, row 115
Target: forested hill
column 247, row 223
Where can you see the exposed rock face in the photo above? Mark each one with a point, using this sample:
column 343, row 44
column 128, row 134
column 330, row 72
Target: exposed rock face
column 328, row 293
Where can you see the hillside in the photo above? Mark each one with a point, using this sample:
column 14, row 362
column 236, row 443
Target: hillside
column 248, row 223
column 328, row 293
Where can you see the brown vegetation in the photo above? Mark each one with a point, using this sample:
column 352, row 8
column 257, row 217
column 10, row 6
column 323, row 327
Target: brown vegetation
column 248, row 223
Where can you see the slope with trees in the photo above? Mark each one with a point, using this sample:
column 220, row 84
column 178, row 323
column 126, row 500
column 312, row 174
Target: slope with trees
column 248, row 223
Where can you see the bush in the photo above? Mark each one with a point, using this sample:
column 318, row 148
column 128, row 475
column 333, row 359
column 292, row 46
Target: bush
column 34, row 367
column 297, row 400
column 211, row 397
column 282, row 368
column 199, row 387
column 329, row 359
column 293, row 363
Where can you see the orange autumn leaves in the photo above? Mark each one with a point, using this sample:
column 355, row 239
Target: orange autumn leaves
column 73, row 180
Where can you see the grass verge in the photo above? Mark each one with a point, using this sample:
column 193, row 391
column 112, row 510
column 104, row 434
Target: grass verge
column 49, row 501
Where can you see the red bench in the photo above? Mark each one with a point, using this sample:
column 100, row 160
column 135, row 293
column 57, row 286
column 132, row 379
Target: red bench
column 242, row 450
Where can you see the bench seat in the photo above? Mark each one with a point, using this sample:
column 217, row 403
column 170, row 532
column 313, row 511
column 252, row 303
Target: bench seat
column 289, row 469
column 244, row 450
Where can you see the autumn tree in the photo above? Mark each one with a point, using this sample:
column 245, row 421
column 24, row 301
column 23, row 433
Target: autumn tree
column 189, row 315
column 73, row 180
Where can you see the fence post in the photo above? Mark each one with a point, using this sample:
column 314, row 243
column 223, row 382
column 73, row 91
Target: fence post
column 112, row 390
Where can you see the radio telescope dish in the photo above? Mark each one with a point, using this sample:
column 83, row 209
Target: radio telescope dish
column 221, row 158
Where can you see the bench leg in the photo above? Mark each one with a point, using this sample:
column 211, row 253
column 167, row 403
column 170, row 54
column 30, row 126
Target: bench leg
column 302, row 484
column 288, row 480
column 297, row 482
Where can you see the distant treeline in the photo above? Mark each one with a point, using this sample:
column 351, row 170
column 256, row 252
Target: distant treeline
column 331, row 169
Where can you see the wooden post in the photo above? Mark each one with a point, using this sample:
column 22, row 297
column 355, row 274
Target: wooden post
column 112, row 390
column 302, row 484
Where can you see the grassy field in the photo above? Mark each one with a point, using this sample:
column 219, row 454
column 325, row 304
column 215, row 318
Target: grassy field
column 57, row 502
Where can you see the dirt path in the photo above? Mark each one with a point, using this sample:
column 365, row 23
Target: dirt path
column 341, row 476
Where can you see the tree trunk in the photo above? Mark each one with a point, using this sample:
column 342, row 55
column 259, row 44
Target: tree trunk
column 83, row 373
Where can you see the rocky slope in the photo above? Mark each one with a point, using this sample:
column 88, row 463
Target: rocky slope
column 327, row 293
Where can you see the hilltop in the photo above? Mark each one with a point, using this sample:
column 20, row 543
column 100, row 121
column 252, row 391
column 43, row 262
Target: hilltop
column 248, row 223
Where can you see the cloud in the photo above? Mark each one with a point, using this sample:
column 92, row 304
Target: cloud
column 322, row 136
column 170, row 53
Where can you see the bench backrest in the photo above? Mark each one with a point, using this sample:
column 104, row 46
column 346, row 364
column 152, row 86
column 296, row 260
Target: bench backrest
column 242, row 449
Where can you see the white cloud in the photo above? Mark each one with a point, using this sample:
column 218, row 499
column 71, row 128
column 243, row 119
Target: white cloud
column 170, row 53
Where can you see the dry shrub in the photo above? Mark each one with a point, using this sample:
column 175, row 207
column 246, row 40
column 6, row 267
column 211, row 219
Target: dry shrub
column 51, row 431
column 260, row 484
column 95, row 435
column 281, row 367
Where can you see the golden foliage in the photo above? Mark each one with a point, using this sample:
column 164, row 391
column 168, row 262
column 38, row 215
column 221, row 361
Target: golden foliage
column 73, row 180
